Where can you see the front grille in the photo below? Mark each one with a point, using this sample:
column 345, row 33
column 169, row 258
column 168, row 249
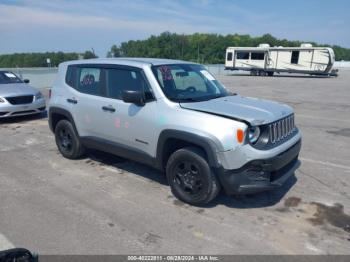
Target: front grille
column 281, row 129
column 20, row 100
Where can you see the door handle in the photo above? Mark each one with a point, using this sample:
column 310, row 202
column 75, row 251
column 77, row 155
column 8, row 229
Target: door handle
column 108, row 108
column 72, row 100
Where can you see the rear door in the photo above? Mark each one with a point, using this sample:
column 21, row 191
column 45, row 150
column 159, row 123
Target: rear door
column 229, row 58
column 89, row 113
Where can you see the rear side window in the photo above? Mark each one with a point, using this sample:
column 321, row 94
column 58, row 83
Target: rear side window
column 90, row 81
column 119, row 80
column 87, row 80
column 243, row 55
column 258, row 56
column 295, row 57
column 229, row 56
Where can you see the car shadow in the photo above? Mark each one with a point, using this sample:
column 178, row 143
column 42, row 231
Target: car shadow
column 259, row 200
column 20, row 119
column 127, row 165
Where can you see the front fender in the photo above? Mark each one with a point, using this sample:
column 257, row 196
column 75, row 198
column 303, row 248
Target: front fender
column 204, row 142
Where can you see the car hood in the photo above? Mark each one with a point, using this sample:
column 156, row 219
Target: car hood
column 16, row 89
column 252, row 110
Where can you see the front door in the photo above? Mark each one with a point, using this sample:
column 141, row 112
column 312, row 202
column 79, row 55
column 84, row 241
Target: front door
column 131, row 125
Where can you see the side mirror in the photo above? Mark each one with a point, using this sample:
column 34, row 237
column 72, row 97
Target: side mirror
column 26, row 81
column 134, row 97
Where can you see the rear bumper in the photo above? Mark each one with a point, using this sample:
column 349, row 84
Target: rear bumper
column 261, row 175
column 8, row 110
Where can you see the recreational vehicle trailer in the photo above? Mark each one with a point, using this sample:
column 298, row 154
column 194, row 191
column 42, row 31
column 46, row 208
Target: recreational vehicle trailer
column 265, row 60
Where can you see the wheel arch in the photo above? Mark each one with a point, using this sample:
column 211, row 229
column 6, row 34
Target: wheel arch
column 56, row 114
column 171, row 140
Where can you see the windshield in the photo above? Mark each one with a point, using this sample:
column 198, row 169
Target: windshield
column 188, row 83
column 9, row 78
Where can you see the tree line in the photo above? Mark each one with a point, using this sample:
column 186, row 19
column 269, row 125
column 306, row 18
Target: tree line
column 40, row 59
column 203, row 48
column 198, row 47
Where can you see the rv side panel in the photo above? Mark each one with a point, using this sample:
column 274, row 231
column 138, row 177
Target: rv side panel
column 321, row 60
column 272, row 60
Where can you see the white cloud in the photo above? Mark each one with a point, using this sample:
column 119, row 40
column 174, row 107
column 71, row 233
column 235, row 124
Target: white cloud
column 24, row 16
column 50, row 24
column 15, row 16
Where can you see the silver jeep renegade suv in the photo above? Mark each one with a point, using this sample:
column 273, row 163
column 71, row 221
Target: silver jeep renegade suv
column 176, row 117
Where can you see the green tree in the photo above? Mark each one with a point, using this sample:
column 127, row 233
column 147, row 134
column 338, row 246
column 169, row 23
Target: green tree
column 203, row 48
column 114, row 52
column 89, row 54
column 35, row 59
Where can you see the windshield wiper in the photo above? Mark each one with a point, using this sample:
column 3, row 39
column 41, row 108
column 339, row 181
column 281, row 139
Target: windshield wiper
column 188, row 99
column 213, row 97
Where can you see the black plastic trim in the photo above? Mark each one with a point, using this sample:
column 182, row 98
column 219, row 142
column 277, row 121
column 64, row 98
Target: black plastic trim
column 118, row 149
column 262, row 174
column 205, row 143
column 63, row 112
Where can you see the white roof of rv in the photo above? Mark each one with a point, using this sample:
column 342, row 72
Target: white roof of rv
column 131, row 61
column 272, row 48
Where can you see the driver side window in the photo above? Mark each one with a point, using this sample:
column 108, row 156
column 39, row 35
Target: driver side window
column 184, row 80
column 119, row 80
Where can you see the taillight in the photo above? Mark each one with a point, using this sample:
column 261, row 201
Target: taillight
column 49, row 93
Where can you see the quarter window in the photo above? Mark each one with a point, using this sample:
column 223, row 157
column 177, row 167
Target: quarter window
column 258, row 56
column 295, row 57
column 243, row 55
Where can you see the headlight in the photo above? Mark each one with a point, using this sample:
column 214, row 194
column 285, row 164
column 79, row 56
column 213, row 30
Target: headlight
column 2, row 100
column 38, row 95
column 253, row 134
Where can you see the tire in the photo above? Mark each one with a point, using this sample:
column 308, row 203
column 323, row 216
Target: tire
column 262, row 73
column 253, row 73
column 190, row 177
column 270, row 73
column 68, row 141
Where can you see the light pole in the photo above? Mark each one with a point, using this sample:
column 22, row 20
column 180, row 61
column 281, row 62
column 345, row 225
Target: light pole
column 198, row 53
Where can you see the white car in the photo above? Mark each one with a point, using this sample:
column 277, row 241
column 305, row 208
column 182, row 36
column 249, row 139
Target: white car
column 17, row 98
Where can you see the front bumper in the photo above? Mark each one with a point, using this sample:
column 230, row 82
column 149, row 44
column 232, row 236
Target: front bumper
column 8, row 110
column 261, row 175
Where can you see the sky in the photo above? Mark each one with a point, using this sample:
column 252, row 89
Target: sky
column 76, row 26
